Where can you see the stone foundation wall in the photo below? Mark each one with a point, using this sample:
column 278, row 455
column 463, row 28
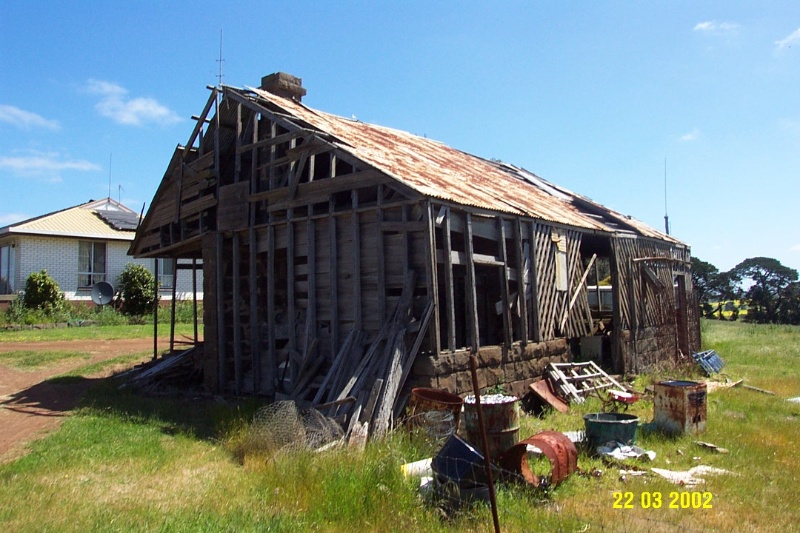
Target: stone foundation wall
column 654, row 347
column 515, row 370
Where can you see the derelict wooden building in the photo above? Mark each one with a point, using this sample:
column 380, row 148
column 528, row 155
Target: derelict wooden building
column 335, row 252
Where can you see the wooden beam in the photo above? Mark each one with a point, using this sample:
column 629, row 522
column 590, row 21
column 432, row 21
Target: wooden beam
column 522, row 283
column 220, row 296
column 237, row 315
column 472, row 301
column 448, row 281
column 508, row 335
column 278, row 139
column 290, row 294
column 356, row 230
column 155, row 310
column 334, row 278
column 255, row 344
column 534, row 284
column 432, row 282
column 380, row 257
column 173, row 291
column 311, row 308
column 202, row 119
column 194, row 300
column 321, row 188
column 237, row 156
column 269, row 375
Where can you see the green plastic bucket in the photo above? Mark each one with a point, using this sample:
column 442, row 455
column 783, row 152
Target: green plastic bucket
column 605, row 427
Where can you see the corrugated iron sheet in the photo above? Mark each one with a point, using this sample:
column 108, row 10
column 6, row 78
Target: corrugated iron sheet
column 439, row 171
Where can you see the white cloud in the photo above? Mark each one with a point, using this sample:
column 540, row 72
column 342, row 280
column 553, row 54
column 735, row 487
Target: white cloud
column 45, row 166
column 25, row 119
column 118, row 106
column 713, row 27
column 691, row 136
column 791, row 39
column 795, row 248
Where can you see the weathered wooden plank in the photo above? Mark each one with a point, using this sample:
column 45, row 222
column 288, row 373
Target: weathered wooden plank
column 334, row 281
column 504, row 292
column 265, row 143
column 448, row 281
column 522, row 283
column 255, row 344
column 472, row 300
column 272, row 359
column 201, row 204
column 306, row 192
column 356, row 231
column 237, row 315
column 432, row 280
column 290, row 293
column 220, row 301
column 381, row 258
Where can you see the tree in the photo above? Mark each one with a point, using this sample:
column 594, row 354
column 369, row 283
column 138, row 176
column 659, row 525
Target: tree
column 790, row 311
column 770, row 288
column 136, row 290
column 712, row 287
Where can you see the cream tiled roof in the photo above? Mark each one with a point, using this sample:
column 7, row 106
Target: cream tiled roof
column 79, row 221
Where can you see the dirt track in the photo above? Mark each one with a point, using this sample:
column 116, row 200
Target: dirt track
column 30, row 407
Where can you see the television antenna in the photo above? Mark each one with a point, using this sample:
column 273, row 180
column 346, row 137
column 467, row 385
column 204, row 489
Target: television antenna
column 666, row 216
column 220, row 60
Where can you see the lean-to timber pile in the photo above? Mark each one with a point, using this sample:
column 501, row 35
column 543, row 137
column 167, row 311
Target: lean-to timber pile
column 337, row 253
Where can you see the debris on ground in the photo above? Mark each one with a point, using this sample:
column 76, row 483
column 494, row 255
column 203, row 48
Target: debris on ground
column 177, row 369
column 620, row 451
column 691, row 477
column 543, row 390
column 750, row 387
column 709, row 361
column 555, row 446
column 283, row 427
column 421, row 468
column 712, row 447
column 574, row 381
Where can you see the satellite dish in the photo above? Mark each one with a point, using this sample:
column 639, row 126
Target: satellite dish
column 102, row 293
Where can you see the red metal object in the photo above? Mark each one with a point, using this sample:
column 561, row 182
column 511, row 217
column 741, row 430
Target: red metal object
column 543, row 391
column 559, row 450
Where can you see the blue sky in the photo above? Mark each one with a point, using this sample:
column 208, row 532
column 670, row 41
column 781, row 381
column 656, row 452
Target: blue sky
column 594, row 96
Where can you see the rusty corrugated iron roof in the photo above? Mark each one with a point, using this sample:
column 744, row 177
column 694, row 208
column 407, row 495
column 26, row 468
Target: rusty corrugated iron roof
column 439, row 171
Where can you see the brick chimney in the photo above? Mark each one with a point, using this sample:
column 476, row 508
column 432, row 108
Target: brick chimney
column 284, row 85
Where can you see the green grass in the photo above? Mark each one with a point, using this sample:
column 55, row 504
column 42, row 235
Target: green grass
column 36, row 360
column 141, row 463
column 121, row 361
column 95, row 332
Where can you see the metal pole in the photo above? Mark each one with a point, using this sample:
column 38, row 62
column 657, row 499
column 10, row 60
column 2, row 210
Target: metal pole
column 155, row 311
column 473, row 366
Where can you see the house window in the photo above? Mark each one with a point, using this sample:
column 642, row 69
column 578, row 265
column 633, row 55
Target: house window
column 91, row 263
column 7, row 269
column 166, row 268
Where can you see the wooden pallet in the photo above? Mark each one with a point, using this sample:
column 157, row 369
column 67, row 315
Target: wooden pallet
column 574, row 381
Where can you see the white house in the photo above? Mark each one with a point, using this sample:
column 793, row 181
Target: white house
column 80, row 246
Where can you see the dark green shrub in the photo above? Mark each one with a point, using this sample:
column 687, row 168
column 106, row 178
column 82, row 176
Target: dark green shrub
column 42, row 293
column 136, row 290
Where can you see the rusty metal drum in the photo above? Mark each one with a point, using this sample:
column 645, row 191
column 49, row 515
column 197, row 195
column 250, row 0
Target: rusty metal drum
column 425, row 400
column 501, row 416
column 679, row 407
